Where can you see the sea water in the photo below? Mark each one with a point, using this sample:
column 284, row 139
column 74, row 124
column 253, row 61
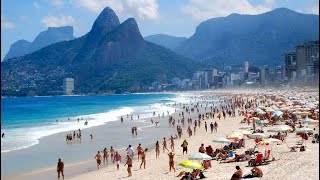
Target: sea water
column 28, row 121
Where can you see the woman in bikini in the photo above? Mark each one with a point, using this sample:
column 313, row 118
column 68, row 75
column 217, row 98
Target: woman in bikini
column 143, row 158
column 157, row 149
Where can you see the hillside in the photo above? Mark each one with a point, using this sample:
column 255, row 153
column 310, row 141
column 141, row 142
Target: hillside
column 45, row 38
column 112, row 57
column 167, row 41
column 259, row 39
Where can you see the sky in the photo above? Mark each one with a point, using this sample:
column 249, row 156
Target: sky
column 26, row 19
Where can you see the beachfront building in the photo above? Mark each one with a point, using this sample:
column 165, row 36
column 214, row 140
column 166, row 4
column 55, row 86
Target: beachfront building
column 68, row 86
column 291, row 65
column 307, row 54
column 263, row 73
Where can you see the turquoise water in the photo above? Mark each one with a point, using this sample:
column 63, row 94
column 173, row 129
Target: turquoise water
column 25, row 120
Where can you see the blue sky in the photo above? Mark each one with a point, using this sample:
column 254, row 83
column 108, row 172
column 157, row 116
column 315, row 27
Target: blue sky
column 25, row 19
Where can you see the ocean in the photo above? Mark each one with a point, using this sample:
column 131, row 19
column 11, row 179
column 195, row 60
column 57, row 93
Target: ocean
column 30, row 126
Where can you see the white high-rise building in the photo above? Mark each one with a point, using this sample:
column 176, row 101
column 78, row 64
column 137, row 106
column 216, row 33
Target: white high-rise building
column 68, row 86
column 246, row 66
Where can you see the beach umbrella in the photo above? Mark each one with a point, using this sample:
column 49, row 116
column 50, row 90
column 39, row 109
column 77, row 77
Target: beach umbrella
column 272, row 140
column 199, row 156
column 284, row 109
column 245, row 127
column 244, row 132
column 264, row 121
column 304, row 113
column 261, row 112
column 307, row 120
column 303, row 130
column 277, row 114
column 256, row 118
column 234, row 135
column 257, row 110
column 280, row 128
column 258, row 135
column 190, row 164
column 221, row 140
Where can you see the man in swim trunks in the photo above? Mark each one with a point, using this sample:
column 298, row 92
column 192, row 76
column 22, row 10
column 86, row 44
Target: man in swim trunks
column 60, row 168
column 129, row 163
column 117, row 159
column 139, row 149
column 171, row 161
column 172, row 143
column 98, row 157
column 164, row 144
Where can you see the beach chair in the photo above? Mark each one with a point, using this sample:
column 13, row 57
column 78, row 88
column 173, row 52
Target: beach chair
column 257, row 161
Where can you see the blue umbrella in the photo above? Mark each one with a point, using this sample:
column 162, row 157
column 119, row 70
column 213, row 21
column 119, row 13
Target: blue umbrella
column 277, row 114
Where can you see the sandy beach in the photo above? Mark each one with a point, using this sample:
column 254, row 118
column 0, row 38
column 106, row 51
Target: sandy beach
column 287, row 165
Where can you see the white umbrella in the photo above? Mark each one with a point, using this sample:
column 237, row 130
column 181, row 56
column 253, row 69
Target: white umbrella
column 245, row 127
column 271, row 140
column 280, row 128
column 303, row 130
column 221, row 140
column 199, row 156
column 258, row 135
column 263, row 121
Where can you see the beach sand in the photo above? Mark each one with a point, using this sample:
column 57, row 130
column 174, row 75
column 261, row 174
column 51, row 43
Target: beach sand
column 287, row 165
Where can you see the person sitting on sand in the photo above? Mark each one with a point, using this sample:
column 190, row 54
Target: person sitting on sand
column 255, row 172
column 202, row 149
column 238, row 174
column 98, row 157
column 60, row 168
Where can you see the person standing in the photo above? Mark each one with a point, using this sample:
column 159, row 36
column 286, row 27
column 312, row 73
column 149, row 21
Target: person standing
column 184, row 146
column 139, row 149
column 111, row 153
column 143, row 158
column 157, row 149
column 130, row 151
column 171, row 161
column 60, row 168
column 117, row 159
column 129, row 163
column 205, row 126
column 98, row 157
column 215, row 126
column 211, row 127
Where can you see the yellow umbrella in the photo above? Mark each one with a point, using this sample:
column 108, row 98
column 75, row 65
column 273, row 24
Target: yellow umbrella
column 190, row 164
column 264, row 143
column 256, row 118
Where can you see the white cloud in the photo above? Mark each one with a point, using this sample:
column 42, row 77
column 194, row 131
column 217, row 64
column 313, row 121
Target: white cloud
column 206, row 9
column 315, row 9
column 57, row 3
column 142, row 9
column 55, row 21
column 36, row 5
column 5, row 24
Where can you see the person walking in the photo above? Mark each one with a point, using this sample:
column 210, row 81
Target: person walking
column 211, row 127
column 60, row 168
column 98, row 157
column 117, row 159
column 143, row 158
column 205, row 126
column 129, row 163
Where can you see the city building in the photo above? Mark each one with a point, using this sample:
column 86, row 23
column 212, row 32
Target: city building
column 68, row 86
column 291, row 65
column 246, row 66
column 306, row 57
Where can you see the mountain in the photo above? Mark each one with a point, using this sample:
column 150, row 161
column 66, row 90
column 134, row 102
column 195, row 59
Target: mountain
column 111, row 57
column 45, row 38
column 259, row 39
column 167, row 41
